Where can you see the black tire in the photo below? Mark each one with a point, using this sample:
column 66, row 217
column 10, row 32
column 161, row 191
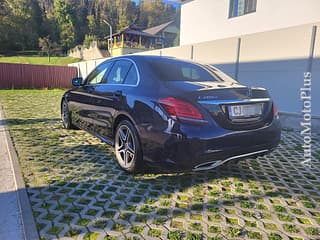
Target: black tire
column 66, row 116
column 127, row 147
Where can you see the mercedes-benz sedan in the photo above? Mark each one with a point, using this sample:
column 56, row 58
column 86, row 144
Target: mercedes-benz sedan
column 171, row 113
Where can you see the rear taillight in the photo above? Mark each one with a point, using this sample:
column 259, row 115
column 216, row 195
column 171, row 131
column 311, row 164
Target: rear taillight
column 181, row 110
column 275, row 112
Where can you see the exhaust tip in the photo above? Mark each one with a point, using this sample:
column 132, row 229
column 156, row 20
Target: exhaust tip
column 217, row 163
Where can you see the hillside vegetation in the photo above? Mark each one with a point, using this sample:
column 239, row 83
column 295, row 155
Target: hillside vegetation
column 63, row 24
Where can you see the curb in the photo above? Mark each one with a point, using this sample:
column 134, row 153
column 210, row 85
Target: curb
column 28, row 224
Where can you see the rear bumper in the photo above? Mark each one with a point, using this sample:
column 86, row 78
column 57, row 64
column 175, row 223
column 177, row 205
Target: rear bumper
column 201, row 148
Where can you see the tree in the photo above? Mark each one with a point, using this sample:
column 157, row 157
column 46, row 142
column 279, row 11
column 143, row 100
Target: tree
column 92, row 25
column 88, row 39
column 46, row 45
column 65, row 18
column 81, row 22
column 19, row 21
column 155, row 12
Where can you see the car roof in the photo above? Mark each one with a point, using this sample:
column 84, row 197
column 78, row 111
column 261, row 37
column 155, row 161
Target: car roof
column 143, row 57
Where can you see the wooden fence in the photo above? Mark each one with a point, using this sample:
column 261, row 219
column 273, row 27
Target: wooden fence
column 35, row 76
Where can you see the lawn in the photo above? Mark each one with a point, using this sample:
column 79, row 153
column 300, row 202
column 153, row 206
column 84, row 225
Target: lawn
column 60, row 61
column 77, row 190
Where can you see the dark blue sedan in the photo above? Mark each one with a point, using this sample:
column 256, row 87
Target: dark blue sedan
column 174, row 114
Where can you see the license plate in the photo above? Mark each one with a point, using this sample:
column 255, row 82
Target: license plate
column 245, row 111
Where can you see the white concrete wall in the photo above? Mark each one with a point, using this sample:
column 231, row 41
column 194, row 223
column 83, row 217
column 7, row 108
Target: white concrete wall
column 84, row 68
column 207, row 20
column 277, row 60
column 316, row 76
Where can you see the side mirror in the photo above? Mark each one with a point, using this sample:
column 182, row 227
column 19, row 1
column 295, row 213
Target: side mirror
column 77, row 82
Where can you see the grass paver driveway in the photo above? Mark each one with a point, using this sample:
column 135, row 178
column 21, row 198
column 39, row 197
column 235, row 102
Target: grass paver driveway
column 77, row 191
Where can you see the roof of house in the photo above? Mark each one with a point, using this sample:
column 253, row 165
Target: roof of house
column 132, row 32
column 135, row 32
column 155, row 30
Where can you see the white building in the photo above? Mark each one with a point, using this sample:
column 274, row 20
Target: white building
column 207, row 20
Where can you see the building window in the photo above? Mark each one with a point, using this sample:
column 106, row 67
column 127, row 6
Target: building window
column 241, row 7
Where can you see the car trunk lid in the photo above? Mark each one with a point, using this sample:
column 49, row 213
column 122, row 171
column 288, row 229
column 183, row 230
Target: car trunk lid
column 232, row 105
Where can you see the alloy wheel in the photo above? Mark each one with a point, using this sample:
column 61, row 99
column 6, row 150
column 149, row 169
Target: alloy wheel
column 125, row 147
column 65, row 115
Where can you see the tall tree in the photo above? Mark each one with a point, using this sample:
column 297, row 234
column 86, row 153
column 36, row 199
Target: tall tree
column 19, row 24
column 65, row 18
column 155, row 12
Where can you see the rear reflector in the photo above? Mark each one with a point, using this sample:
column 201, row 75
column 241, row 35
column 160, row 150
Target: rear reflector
column 181, row 110
column 275, row 111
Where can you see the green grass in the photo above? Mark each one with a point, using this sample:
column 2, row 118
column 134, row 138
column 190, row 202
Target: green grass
column 91, row 236
column 274, row 236
column 73, row 232
column 290, row 228
column 174, row 235
column 177, row 224
column 194, row 236
column 136, row 229
column 214, row 229
column 118, row 227
column 55, row 230
column 154, row 232
column 254, row 235
column 159, row 221
column 100, row 224
column 270, row 226
column 195, row 226
column 232, row 221
column 234, row 232
column 83, row 222
column 59, row 61
column 312, row 231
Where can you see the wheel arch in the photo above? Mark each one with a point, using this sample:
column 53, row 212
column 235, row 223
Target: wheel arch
column 64, row 98
column 119, row 118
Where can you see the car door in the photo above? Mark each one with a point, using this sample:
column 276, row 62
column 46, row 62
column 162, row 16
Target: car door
column 81, row 98
column 110, row 95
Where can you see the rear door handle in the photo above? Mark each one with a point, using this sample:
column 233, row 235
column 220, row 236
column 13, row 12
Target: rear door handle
column 118, row 93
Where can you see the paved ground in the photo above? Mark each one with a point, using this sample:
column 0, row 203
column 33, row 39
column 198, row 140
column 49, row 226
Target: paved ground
column 10, row 220
column 78, row 192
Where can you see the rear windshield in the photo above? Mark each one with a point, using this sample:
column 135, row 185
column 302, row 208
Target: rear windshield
column 173, row 70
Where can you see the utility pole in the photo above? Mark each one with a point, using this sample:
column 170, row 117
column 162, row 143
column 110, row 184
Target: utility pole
column 110, row 32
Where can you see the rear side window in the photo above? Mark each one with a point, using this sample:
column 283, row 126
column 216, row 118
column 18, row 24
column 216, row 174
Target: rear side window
column 132, row 76
column 190, row 73
column 173, row 70
column 119, row 72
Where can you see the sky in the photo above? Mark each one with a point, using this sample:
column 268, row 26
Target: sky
column 167, row 1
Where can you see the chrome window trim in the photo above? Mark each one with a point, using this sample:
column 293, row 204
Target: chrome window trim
column 127, row 85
